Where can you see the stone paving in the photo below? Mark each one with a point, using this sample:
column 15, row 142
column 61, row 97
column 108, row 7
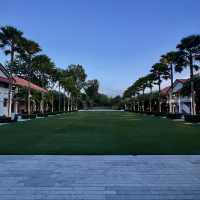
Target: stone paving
column 99, row 177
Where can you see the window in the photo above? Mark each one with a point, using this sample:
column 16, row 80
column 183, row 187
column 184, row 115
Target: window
column 5, row 102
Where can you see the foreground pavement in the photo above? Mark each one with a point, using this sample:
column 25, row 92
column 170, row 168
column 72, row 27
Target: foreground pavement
column 99, row 177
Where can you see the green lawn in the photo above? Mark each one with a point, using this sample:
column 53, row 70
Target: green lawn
column 100, row 133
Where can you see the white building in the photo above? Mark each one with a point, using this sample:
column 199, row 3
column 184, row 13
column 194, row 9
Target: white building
column 4, row 83
column 179, row 103
column 16, row 105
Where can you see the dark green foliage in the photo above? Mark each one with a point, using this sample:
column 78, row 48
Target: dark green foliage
column 174, row 115
column 192, row 118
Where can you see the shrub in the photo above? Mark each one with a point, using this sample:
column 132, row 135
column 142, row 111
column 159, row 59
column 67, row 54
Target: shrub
column 160, row 114
column 4, row 119
column 51, row 113
column 174, row 115
column 148, row 113
column 42, row 115
column 192, row 118
column 26, row 116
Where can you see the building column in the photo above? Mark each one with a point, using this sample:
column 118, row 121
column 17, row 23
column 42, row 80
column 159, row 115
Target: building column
column 179, row 103
column 16, row 107
column 170, row 104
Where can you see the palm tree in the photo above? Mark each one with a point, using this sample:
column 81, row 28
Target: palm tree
column 29, row 49
column 78, row 74
column 59, row 77
column 52, row 83
column 43, row 66
column 170, row 59
column 150, row 78
column 142, row 85
column 160, row 71
column 189, row 51
column 10, row 38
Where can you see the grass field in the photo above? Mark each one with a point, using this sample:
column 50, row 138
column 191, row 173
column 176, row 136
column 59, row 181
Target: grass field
column 100, row 133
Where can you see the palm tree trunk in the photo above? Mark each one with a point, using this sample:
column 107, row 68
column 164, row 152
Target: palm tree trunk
column 143, row 101
column 52, row 103
column 76, row 106
column 29, row 87
column 134, row 109
column 159, row 98
column 42, row 103
column 10, row 83
column 193, row 107
column 68, row 103
column 59, row 99
column 150, row 100
column 172, row 85
column 29, row 100
column 64, row 108
column 71, row 104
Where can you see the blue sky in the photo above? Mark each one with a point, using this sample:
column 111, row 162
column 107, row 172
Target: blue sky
column 116, row 41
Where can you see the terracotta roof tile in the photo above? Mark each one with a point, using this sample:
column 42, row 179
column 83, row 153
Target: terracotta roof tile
column 23, row 83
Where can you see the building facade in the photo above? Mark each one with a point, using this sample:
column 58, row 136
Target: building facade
column 176, row 102
column 18, row 105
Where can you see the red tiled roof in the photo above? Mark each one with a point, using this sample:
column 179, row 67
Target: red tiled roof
column 23, row 83
column 182, row 80
column 4, row 80
column 165, row 90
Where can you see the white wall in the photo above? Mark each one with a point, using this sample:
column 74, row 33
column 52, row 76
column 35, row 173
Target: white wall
column 3, row 95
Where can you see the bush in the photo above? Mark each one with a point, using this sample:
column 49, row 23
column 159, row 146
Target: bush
column 42, row 115
column 26, row 116
column 160, row 114
column 59, row 112
column 148, row 113
column 4, row 119
column 174, row 115
column 51, row 113
column 192, row 118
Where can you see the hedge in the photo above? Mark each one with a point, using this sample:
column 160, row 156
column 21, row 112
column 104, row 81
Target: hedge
column 192, row 118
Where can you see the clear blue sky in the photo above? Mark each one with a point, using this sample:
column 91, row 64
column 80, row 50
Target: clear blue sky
column 116, row 40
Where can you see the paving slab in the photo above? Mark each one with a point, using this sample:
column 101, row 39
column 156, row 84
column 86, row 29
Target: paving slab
column 99, row 177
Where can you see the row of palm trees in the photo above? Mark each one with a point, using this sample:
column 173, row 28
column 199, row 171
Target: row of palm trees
column 187, row 55
column 26, row 60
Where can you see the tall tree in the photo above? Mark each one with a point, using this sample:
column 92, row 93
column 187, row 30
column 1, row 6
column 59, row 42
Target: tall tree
column 52, row 82
column 189, row 51
column 141, row 84
column 150, row 78
column 28, row 49
column 160, row 71
column 91, row 89
column 69, row 87
column 60, row 73
column 78, row 74
column 170, row 59
column 42, row 66
column 10, row 38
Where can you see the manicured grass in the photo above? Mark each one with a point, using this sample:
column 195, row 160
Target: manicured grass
column 100, row 133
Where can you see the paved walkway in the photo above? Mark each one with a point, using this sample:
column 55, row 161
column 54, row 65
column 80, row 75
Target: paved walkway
column 99, row 177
